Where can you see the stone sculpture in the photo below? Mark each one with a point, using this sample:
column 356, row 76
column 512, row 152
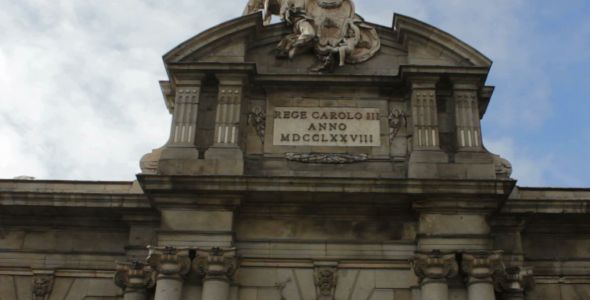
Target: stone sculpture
column 334, row 31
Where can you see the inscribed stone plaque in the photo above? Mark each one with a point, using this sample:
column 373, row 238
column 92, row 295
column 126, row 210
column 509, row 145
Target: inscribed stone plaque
column 330, row 127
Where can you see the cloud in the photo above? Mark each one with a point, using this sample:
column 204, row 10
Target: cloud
column 80, row 98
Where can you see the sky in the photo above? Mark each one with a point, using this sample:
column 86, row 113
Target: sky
column 79, row 94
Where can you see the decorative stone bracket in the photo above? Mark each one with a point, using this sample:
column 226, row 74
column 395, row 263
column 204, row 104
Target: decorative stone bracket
column 42, row 284
column 325, row 279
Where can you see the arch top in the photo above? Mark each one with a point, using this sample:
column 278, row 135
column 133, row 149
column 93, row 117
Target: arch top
column 247, row 40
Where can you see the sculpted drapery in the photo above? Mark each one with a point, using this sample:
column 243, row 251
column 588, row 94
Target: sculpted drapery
column 334, row 31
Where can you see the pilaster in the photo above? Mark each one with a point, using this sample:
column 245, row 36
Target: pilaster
column 433, row 270
column 426, row 151
column 135, row 279
column 217, row 267
column 226, row 149
column 181, row 148
column 467, row 121
column 172, row 265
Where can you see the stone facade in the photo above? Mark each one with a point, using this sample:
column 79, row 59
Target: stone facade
column 369, row 181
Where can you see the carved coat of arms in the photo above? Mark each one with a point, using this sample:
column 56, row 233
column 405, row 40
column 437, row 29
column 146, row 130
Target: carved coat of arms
column 331, row 28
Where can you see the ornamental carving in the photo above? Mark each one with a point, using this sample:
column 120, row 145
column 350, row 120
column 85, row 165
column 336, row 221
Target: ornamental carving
column 435, row 265
column 257, row 119
column 327, row 158
column 134, row 276
column 331, row 28
column 325, row 281
column 482, row 265
column 170, row 262
column 216, row 263
column 42, row 286
column 515, row 280
column 397, row 120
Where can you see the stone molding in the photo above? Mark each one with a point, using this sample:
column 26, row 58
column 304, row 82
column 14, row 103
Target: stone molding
column 434, row 266
column 216, row 263
column 134, row 277
column 482, row 266
column 170, row 262
column 42, row 284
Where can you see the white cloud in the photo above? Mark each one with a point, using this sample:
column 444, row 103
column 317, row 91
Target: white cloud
column 78, row 79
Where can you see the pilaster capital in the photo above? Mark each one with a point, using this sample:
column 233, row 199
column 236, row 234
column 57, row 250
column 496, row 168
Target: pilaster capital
column 216, row 263
column 481, row 266
column 232, row 79
column 466, row 83
column 435, row 265
column 423, row 82
column 170, row 262
column 515, row 280
column 134, row 276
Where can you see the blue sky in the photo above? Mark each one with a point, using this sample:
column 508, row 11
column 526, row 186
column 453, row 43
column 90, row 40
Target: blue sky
column 80, row 98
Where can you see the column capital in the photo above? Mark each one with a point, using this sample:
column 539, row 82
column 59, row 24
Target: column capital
column 134, row 276
column 216, row 263
column 170, row 262
column 435, row 265
column 482, row 266
column 514, row 280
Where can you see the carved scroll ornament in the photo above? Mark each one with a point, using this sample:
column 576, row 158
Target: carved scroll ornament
column 327, row 158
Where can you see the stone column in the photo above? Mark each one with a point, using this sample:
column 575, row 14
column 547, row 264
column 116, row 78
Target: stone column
column 433, row 269
column 226, row 148
column 217, row 266
column 172, row 265
column 480, row 268
column 514, row 281
column 467, row 114
column 135, row 279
